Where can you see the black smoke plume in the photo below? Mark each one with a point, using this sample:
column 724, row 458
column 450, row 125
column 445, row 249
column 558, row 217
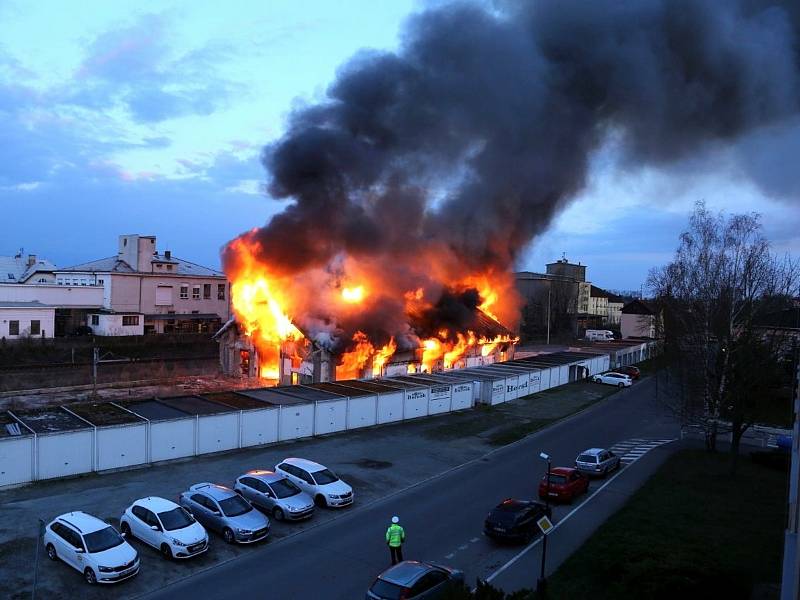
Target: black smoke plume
column 480, row 127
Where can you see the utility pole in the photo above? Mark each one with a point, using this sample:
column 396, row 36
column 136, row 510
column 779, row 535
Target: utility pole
column 549, row 289
column 541, row 584
column 95, row 360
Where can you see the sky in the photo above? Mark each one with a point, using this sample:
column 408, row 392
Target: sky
column 150, row 117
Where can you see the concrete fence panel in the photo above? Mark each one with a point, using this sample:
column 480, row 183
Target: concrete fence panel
column 416, row 403
column 16, row 460
column 296, row 421
column 461, row 396
column 216, row 433
column 362, row 412
column 390, row 407
column 172, row 439
column 63, row 454
column 259, row 427
column 121, row 446
column 440, row 399
column 330, row 416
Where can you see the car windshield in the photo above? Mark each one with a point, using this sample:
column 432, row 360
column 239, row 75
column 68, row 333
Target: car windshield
column 284, row 488
column 386, row 590
column 590, row 458
column 234, row 506
column 177, row 518
column 324, row 477
column 557, row 479
column 101, row 540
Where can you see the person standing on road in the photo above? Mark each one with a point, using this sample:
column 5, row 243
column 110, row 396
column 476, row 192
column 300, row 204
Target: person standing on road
column 395, row 536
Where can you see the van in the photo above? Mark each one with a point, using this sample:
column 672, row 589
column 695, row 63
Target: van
column 599, row 335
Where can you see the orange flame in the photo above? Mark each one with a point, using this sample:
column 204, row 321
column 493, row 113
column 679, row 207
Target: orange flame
column 353, row 363
column 353, row 295
column 382, row 356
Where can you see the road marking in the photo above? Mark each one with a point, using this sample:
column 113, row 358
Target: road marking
column 525, row 550
column 473, row 540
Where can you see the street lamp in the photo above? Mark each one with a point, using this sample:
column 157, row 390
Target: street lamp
column 541, row 584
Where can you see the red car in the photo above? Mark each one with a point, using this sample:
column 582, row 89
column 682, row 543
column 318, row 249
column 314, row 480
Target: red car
column 629, row 370
column 565, row 484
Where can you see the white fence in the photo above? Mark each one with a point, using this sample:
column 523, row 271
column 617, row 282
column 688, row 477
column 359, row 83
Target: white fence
column 34, row 457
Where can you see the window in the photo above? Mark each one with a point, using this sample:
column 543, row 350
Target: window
column 159, row 266
column 169, row 267
column 196, row 292
column 13, row 328
column 36, row 327
column 95, row 319
column 164, row 295
column 139, row 512
column 184, row 292
column 100, row 282
column 206, row 291
column 130, row 320
column 221, row 291
column 42, row 280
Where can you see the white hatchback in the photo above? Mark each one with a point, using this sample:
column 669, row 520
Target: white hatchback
column 165, row 526
column 317, row 481
column 91, row 547
column 618, row 379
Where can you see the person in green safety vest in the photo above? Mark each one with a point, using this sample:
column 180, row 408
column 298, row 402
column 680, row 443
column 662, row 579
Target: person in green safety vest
column 395, row 536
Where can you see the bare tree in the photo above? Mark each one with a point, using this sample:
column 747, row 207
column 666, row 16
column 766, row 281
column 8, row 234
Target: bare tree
column 720, row 283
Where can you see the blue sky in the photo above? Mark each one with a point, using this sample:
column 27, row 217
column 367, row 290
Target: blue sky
column 149, row 117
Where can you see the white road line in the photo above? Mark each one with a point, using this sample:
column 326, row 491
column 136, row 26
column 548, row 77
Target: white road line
column 525, row 550
column 473, row 540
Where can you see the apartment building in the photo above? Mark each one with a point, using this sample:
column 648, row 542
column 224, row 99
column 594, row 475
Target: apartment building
column 147, row 291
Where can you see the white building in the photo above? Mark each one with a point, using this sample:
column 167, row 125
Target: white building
column 26, row 320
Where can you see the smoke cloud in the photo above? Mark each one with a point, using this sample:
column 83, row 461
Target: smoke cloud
column 468, row 140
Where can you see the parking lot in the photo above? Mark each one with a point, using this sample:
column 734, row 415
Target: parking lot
column 376, row 462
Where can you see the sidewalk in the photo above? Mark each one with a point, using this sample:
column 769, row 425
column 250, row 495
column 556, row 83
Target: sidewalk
column 375, row 461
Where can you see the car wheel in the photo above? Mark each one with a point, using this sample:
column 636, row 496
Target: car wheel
column 89, row 576
column 51, row 552
column 227, row 535
column 126, row 529
column 320, row 501
column 166, row 552
column 621, row 385
column 277, row 514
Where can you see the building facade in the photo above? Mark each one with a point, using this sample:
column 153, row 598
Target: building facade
column 166, row 293
column 638, row 320
column 20, row 320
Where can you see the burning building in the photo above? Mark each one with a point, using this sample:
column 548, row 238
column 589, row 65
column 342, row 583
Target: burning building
column 417, row 182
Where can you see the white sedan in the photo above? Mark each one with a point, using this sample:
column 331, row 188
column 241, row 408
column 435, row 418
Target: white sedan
column 317, row 481
column 165, row 526
column 617, row 379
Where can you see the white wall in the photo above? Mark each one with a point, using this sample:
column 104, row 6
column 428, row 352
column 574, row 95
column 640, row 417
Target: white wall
column 216, row 433
column 330, row 416
column 296, row 421
column 415, row 403
column 461, row 396
column 62, row 454
column 362, row 411
column 111, row 324
column 440, row 396
column 16, row 460
column 121, row 446
column 259, row 426
column 172, row 439
column 54, row 295
column 45, row 316
column 390, row 407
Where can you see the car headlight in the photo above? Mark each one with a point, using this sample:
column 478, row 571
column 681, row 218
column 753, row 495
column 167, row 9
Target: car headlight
column 243, row 531
column 333, row 495
column 177, row 542
column 106, row 569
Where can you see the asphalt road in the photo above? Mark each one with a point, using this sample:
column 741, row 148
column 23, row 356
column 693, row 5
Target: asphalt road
column 443, row 517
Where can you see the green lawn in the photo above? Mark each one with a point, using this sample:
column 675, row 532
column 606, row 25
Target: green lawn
column 692, row 531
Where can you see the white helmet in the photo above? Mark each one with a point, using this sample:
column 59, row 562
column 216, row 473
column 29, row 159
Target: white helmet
column 395, row 519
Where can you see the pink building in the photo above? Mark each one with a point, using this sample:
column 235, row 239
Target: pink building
column 166, row 293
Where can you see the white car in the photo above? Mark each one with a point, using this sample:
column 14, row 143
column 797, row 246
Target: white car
column 618, row 379
column 91, row 547
column 165, row 526
column 317, row 481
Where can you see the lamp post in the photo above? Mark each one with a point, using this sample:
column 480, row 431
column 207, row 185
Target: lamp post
column 541, row 584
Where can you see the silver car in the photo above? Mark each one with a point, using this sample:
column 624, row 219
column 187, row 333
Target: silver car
column 222, row 510
column 415, row 579
column 597, row 461
column 275, row 494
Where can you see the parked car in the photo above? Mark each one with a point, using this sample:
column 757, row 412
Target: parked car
column 221, row 509
column 317, row 481
column 565, row 484
column 91, row 547
column 415, row 579
column 515, row 520
column 165, row 526
column 617, row 379
column 275, row 494
column 630, row 371
column 597, row 461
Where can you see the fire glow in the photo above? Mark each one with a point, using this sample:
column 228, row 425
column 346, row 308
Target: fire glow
column 275, row 308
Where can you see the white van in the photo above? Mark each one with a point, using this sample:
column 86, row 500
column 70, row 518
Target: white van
column 599, row 335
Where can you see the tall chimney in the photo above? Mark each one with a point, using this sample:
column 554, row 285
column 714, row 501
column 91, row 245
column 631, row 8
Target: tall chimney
column 31, row 260
column 167, row 254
